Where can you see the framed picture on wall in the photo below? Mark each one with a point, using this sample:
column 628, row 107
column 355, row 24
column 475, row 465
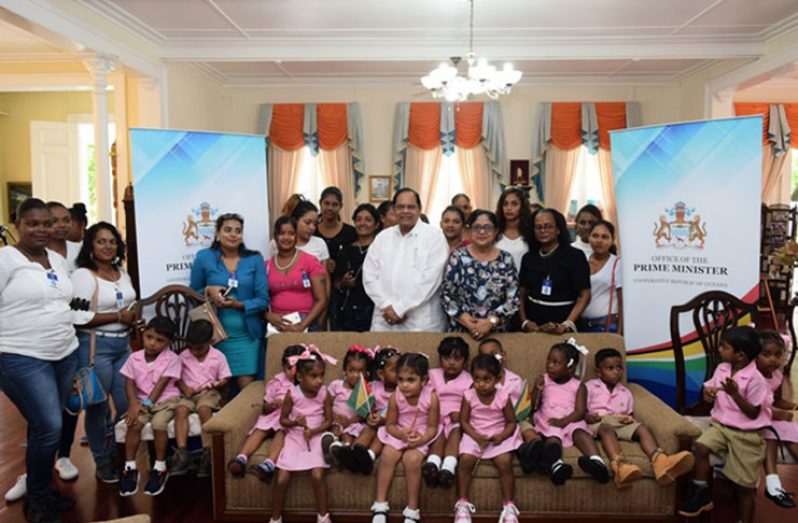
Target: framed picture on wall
column 17, row 193
column 379, row 188
column 519, row 172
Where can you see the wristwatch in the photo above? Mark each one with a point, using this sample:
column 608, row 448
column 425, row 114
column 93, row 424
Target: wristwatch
column 146, row 403
column 494, row 320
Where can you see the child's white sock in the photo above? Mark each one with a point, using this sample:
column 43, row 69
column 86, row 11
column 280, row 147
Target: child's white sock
column 699, row 483
column 336, row 443
column 242, row 457
column 379, row 506
column 372, row 455
column 449, row 463
column 130, row 465
column 596, row 457
column 278, row 520
column 773, row 484
column 160, row 466
column 435, row 460
column 411, row 514
column 557, row 464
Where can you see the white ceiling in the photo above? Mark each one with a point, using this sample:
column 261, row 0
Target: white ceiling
column 396, row 41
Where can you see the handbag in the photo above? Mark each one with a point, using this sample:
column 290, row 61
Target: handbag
column 612, row 294
column 86, row 387
column 207, row 312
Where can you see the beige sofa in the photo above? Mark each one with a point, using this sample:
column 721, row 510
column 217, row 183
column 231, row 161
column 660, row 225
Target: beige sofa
column 352, row 495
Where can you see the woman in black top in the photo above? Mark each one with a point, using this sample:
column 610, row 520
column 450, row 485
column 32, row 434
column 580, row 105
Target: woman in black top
column 331, row 229
column 554, row 278
column 355, row 308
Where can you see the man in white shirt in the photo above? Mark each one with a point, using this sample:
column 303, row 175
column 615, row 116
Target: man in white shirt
column 403, row 271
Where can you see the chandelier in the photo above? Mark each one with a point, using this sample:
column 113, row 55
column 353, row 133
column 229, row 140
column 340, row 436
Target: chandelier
column 482, row 78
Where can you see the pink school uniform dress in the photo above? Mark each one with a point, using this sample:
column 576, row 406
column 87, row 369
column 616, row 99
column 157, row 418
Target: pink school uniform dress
column 787, row 430
column 513, row 383
column 196, row 374
column 558, row 401
column 450, row 395
column 298, row 453
column 489, row 420
column 146, row 375
column 275, row 391
column 340, row 394
column 411, row 416
column 381, row 397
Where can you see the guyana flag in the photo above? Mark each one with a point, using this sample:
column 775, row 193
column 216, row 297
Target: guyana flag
column 361, row 400
column 524, row 405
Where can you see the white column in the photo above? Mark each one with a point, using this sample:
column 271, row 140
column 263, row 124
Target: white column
column 99, row 66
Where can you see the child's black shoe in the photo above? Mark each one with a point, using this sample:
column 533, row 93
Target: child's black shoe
column 561, row 472
column 429, row 471
column 549, row 455
column 597, row 469
column 782, row 499
column 365, row 465
column 445, row 479
column 343, row 455
column 529, row 455
column 697, row 501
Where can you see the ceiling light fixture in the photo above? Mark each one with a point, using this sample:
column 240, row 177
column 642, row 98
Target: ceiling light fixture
column 482, row 78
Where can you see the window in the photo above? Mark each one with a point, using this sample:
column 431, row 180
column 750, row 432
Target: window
column 311, row 177
column 449, row 183
column 794, row 172
column 586, row 186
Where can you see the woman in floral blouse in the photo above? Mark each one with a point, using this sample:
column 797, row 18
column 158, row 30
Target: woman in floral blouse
column 480, row 290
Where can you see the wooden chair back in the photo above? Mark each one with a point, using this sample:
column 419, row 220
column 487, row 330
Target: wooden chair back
column 173, row 302
column 712, row 313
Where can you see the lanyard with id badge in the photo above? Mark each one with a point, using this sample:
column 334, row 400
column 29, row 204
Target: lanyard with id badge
column 305, row 280
column 545, row 287
column 52, row 277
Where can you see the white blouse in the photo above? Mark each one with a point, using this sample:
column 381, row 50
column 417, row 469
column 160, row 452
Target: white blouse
column 600, row 290
column 84, row 284
column 517, row 248
column 582, row 246
column 35, row 317
column 73, row 249
column 315, row 246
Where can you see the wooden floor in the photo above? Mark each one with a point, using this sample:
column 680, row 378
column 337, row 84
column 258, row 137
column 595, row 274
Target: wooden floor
column 188, row 499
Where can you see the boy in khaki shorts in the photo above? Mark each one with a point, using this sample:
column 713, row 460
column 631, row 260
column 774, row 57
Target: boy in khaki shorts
column 742, row 408
column 204, row 371
column 610, row 409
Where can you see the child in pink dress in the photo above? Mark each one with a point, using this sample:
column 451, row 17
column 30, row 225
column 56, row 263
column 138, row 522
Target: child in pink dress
column 532, row 447
column 368, row 446
column 268, row 423
column 490, row 431
column 561, row 416
column 306, row 414
column 770, row 362
column 450, row 382
column 411, row 425
column 347, row 425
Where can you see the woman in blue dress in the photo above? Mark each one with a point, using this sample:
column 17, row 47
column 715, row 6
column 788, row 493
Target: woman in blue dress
column 234, row 278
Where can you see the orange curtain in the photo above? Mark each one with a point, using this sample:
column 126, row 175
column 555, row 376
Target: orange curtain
column 331, row 123
column 749, row 109
column 424, row 128
column 468, row 124
column 286, row 127
column 610, row 116
column 792, row 119
column 566, row 125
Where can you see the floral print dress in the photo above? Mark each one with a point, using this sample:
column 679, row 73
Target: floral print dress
column 480, row 289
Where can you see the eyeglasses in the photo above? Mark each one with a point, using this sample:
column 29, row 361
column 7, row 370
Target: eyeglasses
column 483, row 228
column 545, row 227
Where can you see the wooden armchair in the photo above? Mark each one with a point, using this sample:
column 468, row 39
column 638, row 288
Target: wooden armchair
column 713, row 313
column 173, row 302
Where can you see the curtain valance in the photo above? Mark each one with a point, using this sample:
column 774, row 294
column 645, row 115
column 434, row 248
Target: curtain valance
column 778, row 121
column 427, row 125
column 325, row 126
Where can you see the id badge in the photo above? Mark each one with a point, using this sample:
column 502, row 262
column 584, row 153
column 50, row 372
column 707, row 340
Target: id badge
column 120, row 302
column 232, row 281
column 52, row 277
column 305, row 280
column 545, row 288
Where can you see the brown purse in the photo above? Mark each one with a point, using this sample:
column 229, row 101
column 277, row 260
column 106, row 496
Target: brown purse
column 207, row 312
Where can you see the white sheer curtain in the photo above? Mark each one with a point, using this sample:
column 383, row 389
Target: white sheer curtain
column 285, row 168
column 422, row 169
column 607, row 186
column 476, row 176
column 336, row 169
column 560, row 174
column 772, row 169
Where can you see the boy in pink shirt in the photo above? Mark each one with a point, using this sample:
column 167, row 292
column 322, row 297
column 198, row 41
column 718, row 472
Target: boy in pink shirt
column 610, row 409
column 204, row 371
column 152, row 397
column 742, row 407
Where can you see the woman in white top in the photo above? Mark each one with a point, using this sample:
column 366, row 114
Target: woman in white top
column 585, row 218
column 604, row 312
column 100, row 271
column 37, row 348
column 515, row 224
column 62, row 225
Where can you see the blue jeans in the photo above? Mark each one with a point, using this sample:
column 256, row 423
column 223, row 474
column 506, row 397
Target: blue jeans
column 39, row 390
column 109, row 356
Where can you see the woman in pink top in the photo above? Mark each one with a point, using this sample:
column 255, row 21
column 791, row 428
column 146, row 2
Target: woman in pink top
column 450, row 381
column 490, row 431
column 561, row 416
column 296, row 282
column 410, row 426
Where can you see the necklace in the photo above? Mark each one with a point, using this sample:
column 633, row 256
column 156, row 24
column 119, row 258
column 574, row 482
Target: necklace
column 547, row 254
column 289, row 264
column 363, row 248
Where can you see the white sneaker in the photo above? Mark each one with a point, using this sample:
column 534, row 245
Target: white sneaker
column 463, row 511
column 509, row 514
column 66, row 470
column 19, row 489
